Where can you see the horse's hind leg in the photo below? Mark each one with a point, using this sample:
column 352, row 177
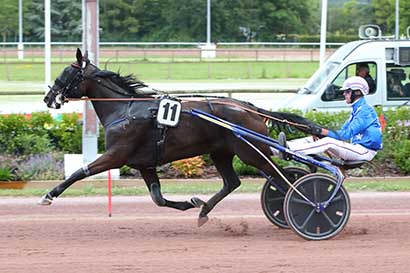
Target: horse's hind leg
column 101, row 164
column 223, row 164
column 152, row 181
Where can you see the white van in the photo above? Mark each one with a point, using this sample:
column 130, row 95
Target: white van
column 388, row 62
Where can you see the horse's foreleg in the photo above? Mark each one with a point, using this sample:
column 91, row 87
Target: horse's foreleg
column 152, row 181
column 47, row 199
column 223, row 164
column 101, row 164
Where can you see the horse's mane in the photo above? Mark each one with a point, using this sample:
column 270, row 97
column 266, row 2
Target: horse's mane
column 129, row 83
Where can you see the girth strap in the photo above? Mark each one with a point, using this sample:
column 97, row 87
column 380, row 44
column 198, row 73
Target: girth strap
column 159, row 137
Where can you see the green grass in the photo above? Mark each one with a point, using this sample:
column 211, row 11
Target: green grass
column 382, row 186
column 208, row 187
column 180, row 187
column 34, row 72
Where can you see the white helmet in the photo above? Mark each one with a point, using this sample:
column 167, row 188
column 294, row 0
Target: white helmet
column 356, row 83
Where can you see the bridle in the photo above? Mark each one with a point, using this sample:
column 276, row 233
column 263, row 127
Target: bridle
column 58, row 96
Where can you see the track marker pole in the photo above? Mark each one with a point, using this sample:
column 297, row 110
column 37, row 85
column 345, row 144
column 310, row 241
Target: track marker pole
column 109, row 186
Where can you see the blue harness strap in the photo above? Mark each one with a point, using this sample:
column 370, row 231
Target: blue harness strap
column 115, row 122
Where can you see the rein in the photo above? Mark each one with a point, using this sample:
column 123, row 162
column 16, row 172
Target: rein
column 84, row 64
column 188, row 100
column 109, row 99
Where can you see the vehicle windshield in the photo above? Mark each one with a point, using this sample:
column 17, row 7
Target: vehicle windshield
column 320, row 76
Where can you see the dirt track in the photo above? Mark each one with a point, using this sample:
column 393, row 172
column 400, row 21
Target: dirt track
column 75, row 235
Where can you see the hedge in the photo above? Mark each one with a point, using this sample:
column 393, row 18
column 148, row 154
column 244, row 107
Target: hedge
column 27, row 139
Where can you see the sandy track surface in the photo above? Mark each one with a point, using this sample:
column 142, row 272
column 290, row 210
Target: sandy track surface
column 76, row 235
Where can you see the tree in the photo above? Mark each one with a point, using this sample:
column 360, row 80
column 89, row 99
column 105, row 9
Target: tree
column 234, row 21
column 119, row 20
column 358, row 14
column 404, row 15
column 263, row 20
column 65, row 20
column 385, row 15
column 312, row 23
column 8, row 19
column 167, row 20
column 184, row 21
column 151, row 19
column 283, row 17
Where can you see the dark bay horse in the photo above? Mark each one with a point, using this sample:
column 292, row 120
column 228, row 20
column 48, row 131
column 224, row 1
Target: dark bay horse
column 134, row 138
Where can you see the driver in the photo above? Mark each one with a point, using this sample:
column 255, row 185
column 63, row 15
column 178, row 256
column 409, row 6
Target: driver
column 360, row 136
column 363, row 71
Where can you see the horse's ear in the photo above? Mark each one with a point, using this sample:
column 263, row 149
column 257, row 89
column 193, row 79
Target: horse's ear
column 79, row 56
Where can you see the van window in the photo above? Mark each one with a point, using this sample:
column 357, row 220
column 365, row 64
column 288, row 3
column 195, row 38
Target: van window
column 320, row 76
column 398, row 82
column 367, row 70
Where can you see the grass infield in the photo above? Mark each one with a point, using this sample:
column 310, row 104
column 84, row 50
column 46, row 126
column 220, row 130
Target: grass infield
column 34, row 72
column 191, row 186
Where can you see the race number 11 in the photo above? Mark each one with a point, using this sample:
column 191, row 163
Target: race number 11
column 169, row 112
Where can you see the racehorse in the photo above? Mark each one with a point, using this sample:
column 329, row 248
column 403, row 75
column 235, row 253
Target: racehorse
column 134, row 138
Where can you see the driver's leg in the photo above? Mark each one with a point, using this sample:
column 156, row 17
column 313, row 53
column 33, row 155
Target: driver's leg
column 344, row 150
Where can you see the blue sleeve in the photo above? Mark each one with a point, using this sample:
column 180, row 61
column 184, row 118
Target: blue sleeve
column 333, row 135
column 356, row 124
column 339, row 133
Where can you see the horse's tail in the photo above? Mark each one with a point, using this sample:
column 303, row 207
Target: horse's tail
column 283, row 120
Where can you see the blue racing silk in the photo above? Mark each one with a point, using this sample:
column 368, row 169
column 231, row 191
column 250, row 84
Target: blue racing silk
column 362, row 127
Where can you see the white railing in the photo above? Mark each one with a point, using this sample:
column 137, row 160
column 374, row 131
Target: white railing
column 170, row 52
column 278, row 44
column 165, row 54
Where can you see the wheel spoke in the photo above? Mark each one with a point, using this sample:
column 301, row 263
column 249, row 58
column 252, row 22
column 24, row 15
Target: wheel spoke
column 338, row 198
column 315, row 192
column 303, row 226
column 275, row 199
column 303, row 208
column 329, row 220
column 298, row 200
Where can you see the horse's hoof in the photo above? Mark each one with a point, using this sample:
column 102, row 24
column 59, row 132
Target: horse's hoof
column 46, row 200
column 196, row 202
column 202, row 220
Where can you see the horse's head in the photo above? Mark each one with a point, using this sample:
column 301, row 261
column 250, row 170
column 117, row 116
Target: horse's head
column 67, row 85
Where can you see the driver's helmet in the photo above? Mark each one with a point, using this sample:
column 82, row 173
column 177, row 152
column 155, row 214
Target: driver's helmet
column 356, row 83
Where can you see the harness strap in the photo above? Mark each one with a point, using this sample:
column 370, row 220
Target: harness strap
column 211, row 107
column 115, row 122
column 159, row 138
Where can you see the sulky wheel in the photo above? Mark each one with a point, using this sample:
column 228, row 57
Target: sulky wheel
column 310, row 221
column 273, row 195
